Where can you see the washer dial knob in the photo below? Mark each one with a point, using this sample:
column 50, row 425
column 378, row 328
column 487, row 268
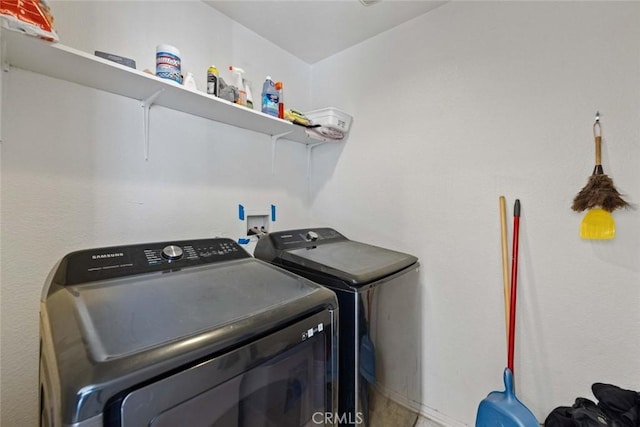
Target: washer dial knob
column 312, row 235
column 172, row 252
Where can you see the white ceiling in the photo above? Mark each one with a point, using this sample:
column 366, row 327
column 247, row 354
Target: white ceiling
column 315, row 29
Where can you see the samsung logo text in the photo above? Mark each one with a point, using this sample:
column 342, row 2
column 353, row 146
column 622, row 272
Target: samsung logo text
column 112, row 255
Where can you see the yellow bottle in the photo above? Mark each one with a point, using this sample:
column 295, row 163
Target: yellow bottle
column 213, row 81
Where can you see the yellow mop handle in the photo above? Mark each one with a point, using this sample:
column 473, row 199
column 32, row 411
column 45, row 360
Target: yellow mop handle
column 505, row 263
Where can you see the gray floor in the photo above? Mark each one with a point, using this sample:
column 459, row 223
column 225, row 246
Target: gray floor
column 387, row 413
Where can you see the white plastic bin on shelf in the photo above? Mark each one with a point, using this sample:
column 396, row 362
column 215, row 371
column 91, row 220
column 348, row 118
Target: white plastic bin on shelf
column 331, row 117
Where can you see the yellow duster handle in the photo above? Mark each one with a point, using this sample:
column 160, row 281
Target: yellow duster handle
column 597, row 136
column 505, row 263
column 598, row 150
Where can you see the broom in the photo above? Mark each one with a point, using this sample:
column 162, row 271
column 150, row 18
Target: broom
column 599, row 191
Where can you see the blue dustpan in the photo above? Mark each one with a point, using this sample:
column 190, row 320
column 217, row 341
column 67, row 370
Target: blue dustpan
column 503, row 409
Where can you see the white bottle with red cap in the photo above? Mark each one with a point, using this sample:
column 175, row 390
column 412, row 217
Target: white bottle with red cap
column 237, row 74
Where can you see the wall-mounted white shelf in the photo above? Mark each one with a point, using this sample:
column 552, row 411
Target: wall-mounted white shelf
column 62, row 62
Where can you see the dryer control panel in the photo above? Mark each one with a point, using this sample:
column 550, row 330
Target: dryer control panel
column 305, row 237
column 120, row 261
column 272, row 246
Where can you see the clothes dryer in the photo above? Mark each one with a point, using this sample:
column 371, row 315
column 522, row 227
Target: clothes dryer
column 188, row 333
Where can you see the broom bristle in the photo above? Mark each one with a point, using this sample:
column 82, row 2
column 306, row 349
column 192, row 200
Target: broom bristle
column 599, row 192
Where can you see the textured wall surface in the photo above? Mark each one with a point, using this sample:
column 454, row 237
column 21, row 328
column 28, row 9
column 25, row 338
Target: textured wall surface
column 74, row 174
column 469, row 102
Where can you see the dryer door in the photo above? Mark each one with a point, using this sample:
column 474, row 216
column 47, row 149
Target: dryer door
column 284, row 379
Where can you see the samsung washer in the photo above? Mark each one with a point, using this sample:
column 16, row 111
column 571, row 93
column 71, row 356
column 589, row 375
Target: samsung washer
column 361, row 274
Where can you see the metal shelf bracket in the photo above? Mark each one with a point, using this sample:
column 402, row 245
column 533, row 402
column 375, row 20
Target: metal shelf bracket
column 146, row 105
column 310, row 148
column 274, row 142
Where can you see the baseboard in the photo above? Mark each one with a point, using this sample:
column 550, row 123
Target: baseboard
column 423, row 410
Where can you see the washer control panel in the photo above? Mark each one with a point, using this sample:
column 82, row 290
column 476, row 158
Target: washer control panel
column 119, row 261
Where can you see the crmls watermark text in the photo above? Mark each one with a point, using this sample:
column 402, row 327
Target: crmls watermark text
column 333, row 418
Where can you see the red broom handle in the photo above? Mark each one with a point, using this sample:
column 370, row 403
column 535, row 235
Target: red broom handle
column 514, row 284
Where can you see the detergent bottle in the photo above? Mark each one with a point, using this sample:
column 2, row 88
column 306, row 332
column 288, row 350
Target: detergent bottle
column 278, row 86
column 270, row 98
column 236, row 80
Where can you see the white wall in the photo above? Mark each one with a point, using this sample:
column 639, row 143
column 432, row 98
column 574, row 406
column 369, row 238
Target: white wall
column 74, row 174
column 453, row 109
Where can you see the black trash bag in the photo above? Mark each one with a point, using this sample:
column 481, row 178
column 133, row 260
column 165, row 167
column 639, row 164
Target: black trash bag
column 586, row 413
column 616, row 407
column 560, row 417
column 591, row 417
column 583, row 413
column 631, row 417
column 616, row 401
